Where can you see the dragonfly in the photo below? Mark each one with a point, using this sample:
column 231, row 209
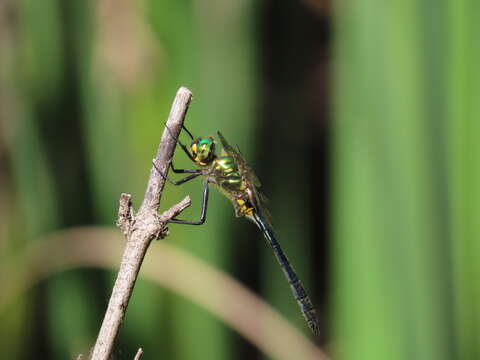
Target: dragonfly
column 230, row 173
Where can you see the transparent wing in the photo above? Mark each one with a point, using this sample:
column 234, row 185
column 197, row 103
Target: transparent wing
column 252, row 179
column 225, row 144
column 240, row 160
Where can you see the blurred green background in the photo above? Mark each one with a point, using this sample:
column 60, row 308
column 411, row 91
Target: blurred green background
column 361, row 119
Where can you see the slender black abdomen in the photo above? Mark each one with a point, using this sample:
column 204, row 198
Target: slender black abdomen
column 296, row 286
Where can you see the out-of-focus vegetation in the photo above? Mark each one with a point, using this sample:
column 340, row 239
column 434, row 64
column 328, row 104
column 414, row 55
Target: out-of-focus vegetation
column 406, row 199
column 361, row 119
column 85, row 89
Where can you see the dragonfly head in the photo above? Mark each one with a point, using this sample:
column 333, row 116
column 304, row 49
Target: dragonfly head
column 203, row 150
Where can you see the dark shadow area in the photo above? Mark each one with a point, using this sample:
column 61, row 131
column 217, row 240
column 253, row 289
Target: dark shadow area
column 294, row 53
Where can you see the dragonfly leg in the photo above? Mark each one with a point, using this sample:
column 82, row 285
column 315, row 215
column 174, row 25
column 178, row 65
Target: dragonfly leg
column 177, row 140
column 188, row 132
column 182, row 171
column 195, row 173
column 203, row 215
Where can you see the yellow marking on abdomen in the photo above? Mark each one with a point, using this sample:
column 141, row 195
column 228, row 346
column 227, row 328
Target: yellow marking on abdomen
column 244, row 209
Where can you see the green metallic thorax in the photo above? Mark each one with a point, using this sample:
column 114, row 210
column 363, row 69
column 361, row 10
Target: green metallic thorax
column 226, row 173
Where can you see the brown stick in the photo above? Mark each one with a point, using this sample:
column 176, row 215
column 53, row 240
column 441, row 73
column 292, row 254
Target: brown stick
column 142, row 228
column 139, row 354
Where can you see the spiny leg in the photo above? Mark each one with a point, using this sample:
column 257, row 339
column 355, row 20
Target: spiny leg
column 188, row 132
column 183, row 180
column 195, row 173
column 183, row 171
column 203, row 215
column 177, row 140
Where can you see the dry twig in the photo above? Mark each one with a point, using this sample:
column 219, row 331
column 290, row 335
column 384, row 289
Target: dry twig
column 141, row 228
column 139, row 354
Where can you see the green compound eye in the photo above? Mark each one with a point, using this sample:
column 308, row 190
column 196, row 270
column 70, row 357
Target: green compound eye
column 205, row 142
column 203, row 150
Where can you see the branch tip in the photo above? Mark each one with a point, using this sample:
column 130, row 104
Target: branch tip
column 184, row 91
column 176, row 209
column 139, row 354
column 161, row 230
column 140, row 229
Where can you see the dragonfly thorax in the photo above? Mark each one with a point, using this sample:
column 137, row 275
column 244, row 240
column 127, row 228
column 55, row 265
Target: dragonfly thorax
column 227, row 174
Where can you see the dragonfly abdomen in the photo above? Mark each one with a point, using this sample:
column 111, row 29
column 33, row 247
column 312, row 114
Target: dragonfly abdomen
column 298, row 291
column 231, row 174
